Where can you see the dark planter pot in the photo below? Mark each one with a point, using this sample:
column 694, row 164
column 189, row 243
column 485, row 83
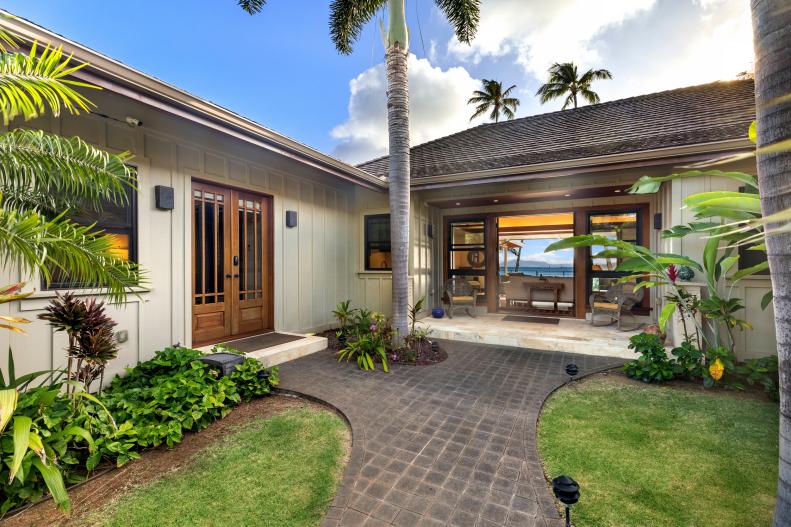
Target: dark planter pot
column 438, row 312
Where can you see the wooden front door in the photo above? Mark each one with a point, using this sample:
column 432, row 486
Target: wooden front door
column 231, row 263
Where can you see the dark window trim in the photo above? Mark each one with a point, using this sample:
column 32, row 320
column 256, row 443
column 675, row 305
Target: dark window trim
column 366, row 246
column 466, row 247
column 110, row 229
column 589, row 256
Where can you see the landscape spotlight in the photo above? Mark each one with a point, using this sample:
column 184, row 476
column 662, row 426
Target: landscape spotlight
column 567, row 492
column 572, row 370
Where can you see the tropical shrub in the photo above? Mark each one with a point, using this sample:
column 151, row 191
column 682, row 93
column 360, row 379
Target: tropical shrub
column 720, row 367
column 762, row 371
column 370, row 334
column 57, row 439
column 688, row 361
column 653, row 364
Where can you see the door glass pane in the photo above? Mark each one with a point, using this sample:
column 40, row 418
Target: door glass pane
column 467, row 254
column 198, row 249
column 242, row 251
column 220, row 247
column 250, row 247
column 602, row 268
column 259, row 226
column 210, row 241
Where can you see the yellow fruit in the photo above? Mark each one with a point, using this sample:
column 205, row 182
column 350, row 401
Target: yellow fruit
column 716, row 369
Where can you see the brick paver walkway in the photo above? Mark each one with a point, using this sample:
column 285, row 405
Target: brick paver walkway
column 448, row 444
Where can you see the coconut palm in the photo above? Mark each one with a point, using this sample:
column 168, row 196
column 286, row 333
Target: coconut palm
column 772, row 40
column 492, row 96
column 564, row 81
column 347, row 20
column 44, row 175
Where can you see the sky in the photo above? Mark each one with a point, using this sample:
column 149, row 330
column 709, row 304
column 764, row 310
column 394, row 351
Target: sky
column 280, row 68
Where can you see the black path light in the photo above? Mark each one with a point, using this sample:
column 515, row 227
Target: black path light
column 567, row 492
column 572, row 370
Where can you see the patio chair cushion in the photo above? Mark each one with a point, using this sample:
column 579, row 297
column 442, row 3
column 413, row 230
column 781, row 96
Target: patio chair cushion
column 605, row 305
column 462, row 299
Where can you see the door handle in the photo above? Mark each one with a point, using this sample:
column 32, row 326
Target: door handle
column 236, row 275
column 236, row 260
column 228, row 275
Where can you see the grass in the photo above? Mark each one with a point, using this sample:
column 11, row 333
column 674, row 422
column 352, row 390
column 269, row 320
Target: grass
column 278, row 472
column 646, row 455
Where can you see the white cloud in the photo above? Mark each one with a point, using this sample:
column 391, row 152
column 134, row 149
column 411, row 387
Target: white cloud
column 541, row 33
column 437, row 102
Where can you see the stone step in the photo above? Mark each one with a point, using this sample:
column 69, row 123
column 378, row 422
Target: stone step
column 288, row 351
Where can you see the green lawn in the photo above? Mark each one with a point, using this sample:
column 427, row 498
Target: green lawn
column 278, row 472
column 660, row 456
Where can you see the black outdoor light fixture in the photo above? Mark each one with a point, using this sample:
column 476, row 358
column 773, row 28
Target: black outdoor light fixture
column 567, row 492
column 572, row 370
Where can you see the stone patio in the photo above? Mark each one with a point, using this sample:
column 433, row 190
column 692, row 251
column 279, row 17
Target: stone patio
column 449, row 444
column 568, row 335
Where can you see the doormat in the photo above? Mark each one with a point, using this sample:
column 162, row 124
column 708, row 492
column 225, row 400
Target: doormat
column 267, row 340
column 535, row 320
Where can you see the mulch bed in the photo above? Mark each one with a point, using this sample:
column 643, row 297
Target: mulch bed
column 94, row 493
column 418, row 353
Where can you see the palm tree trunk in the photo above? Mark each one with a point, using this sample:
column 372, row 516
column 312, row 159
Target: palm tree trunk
column 772, row 39
column 398, row 170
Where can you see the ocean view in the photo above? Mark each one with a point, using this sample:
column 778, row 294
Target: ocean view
column 546, row 270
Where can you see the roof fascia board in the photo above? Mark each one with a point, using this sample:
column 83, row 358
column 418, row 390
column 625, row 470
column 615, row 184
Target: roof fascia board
column 117, row 77
column 642, row 158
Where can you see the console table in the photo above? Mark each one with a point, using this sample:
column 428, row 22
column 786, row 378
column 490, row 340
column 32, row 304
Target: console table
column 555, row 287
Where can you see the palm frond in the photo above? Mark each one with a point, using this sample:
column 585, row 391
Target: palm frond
column 480, row 110
column 551, row 91
column 30, row 83
column 35, row 244
column 477, row 100
column 463, row 15
column 592, row 75
column 62, row 170
column 347, row 19
column 591, row 96
column 569, row 101
column 507, row 92
column 511, row 102
column 509, row 114
column 252, row 6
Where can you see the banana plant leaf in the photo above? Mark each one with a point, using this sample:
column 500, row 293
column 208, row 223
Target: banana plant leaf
column 8, row 401
column 651, row 185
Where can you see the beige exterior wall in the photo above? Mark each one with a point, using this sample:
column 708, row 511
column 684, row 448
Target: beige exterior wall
column 314, row 263
column 761, row 340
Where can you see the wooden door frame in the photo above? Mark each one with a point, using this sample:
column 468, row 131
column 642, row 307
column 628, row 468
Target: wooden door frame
column 580, row 253
column 268, row 280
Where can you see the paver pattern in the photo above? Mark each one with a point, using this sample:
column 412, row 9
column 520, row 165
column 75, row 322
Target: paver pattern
column 448, row 444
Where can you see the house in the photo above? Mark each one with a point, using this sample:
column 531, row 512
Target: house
column 264, row 233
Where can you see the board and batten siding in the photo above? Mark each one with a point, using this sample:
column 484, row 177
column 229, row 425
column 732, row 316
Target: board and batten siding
column 313, row 263
column 761, row 340
column 373, row 289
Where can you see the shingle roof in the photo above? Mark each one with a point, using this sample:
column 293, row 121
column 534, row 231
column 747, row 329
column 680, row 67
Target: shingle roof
column 686, row 116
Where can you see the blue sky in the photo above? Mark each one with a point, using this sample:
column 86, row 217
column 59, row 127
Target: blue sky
column 280, row 68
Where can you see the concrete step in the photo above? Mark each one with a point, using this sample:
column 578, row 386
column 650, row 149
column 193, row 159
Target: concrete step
column 288, row 351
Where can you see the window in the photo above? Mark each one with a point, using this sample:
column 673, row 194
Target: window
column 117, row 220
column 377, row 242
column 624, row 226
column 467, row 252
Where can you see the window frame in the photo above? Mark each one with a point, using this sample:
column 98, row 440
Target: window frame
column 590, row 274
column 133, row 232
column 367, row 241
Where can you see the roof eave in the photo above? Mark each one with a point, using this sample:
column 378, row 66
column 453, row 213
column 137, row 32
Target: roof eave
column 685, row 154
column 115, row 76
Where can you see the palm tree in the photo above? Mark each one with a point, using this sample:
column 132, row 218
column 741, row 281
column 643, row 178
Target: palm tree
column 44, row 175
column 495, row 98
column 347, row 20
column 564, row 79
column 772, row 40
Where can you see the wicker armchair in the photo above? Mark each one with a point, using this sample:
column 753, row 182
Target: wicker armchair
column 460, row 295
column 616, row 304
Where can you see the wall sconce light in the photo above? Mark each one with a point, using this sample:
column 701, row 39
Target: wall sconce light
column 291, row 219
